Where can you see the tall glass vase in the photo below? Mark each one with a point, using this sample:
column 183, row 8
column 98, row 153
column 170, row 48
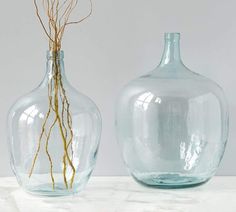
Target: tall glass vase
column 54, row 133
column 172, row 124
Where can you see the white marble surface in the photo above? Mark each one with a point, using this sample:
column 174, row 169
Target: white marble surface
column 123, row 194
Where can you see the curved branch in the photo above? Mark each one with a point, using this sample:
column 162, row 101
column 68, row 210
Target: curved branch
column 41, row 21
column 87, row 16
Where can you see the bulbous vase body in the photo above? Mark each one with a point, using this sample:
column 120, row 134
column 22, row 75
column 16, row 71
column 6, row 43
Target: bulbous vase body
column 172, row 124
column 54, row 133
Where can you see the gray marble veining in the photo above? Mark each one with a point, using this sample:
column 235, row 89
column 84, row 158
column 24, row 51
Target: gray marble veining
column 123, row 194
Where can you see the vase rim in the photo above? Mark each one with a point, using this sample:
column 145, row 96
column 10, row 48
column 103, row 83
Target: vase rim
column 58, row 54
column 172, row 36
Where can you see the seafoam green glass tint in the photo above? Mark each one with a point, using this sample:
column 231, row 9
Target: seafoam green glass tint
column 54, row 133
column 172, row 124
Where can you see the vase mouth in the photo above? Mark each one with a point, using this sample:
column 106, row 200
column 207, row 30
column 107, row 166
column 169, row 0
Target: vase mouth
column 55, row 54
column 172, row 36
column 171, row 54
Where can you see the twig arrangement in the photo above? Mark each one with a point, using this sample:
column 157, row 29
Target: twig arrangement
column 57, row 13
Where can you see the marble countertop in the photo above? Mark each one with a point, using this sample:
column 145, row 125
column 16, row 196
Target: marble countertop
column 123, row 194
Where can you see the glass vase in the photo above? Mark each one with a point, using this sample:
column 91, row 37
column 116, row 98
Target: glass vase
column 54, row 133
column 172, row 124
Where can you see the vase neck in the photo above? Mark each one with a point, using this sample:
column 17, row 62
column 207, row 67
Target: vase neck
column 171, row 54
column 55, row 65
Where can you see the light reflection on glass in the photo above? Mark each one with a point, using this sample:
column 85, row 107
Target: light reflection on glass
column 144, row 100
column 191, row 152
column 29, row 114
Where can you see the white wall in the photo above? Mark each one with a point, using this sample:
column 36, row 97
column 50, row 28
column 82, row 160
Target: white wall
column 122, row 40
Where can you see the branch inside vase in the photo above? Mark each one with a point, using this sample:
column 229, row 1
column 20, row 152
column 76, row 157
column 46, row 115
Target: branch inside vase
column 57, row 14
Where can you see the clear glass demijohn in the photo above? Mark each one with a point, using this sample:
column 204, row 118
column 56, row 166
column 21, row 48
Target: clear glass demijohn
column 172, row 124
column 54, row 133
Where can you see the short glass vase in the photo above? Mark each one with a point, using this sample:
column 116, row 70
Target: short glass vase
column 54, row 134
column 172, row 124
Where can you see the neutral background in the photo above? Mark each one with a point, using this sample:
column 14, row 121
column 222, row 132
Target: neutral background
column 122, row 40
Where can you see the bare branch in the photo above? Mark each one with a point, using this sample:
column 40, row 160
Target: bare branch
column 41, row 21
column 87, row 16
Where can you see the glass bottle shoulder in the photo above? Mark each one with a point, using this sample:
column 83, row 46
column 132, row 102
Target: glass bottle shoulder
column 38, row 100
column 180, row 83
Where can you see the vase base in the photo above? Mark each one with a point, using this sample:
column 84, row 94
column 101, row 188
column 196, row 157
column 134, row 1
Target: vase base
column 59, row 190
column 40, row 185
column 169, row 181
